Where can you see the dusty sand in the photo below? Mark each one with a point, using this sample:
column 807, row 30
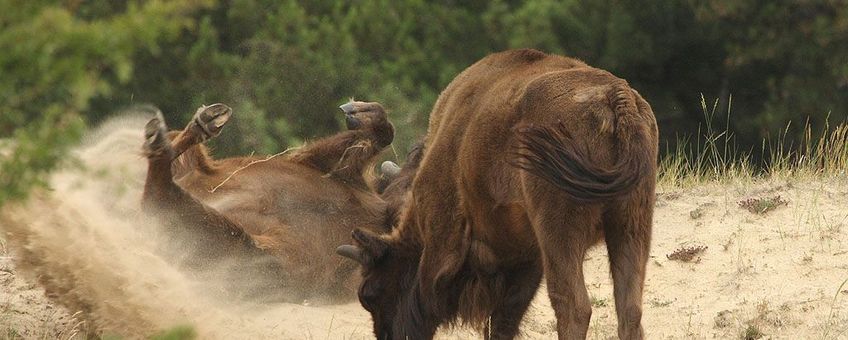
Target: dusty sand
column 777, row 273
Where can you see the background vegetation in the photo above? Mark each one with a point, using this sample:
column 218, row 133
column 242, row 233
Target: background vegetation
column 286, row 65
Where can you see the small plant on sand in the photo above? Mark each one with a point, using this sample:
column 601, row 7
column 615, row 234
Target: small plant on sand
column 696, row 213
column 762, row 205
column 830, row 329
column 655, row 302
column 599, row 302
column 752, row 332
column 686, row 254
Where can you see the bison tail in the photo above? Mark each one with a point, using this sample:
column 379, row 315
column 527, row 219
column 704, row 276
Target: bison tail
column 552, row 154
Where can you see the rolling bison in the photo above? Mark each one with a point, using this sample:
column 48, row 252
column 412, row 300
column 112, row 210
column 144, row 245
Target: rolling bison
column 276, row 220
column 529, row 160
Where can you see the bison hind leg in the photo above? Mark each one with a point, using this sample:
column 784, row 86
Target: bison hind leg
column 207, row 123
column 209, row 120
column 156, row 141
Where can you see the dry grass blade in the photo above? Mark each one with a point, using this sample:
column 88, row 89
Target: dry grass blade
column 248, row 165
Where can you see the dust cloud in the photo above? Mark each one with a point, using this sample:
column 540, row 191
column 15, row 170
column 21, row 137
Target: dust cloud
column 86, row 241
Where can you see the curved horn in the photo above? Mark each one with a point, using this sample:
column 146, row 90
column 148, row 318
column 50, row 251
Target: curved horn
column 351, row 252
column 390, row 169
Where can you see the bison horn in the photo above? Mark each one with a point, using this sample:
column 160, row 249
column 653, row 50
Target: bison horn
column 390, row 169
column 351, row 252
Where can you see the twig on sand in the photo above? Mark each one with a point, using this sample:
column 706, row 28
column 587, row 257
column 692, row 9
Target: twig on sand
column 249, row 164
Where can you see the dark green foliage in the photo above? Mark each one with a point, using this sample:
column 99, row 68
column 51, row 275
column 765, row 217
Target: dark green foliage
column 286, row 65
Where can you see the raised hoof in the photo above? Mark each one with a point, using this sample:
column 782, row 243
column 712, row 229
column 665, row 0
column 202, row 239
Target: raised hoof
column 210, row 120
column 361, row 115
column 155, row 140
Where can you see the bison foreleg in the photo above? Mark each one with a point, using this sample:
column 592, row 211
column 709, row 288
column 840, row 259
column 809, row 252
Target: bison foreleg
column 521, row 286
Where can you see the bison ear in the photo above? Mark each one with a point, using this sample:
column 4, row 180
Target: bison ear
column 372, row 246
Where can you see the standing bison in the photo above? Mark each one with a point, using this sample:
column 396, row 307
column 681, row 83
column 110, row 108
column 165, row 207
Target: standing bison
column 530, row 159
column 274, row 220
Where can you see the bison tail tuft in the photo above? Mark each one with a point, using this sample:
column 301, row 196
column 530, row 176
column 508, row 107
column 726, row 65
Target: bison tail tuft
column 552, row 154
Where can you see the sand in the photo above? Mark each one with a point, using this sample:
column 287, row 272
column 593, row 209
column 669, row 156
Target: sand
column 776, row 275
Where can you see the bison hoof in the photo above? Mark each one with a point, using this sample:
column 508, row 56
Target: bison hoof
column 210, row 120
column 155, row 141
column 363, row 115
column 352, row 122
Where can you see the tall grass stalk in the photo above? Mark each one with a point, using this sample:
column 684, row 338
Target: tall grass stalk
column 714, row 156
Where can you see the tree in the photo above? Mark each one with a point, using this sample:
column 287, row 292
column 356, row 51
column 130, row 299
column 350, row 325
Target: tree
column 54, row 63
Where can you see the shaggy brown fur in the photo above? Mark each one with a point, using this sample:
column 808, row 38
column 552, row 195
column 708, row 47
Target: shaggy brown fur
column 530, row 159
column 276, row 217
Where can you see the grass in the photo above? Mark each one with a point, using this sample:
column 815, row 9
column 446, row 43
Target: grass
column 830, row 323
column 715, row 157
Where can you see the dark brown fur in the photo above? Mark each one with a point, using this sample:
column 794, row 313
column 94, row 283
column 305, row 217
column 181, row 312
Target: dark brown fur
column 277, row 219
column 530, row 159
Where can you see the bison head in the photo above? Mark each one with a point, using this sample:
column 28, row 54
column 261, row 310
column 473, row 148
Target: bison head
column 388, row 270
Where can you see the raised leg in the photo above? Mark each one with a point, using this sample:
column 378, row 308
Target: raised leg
column 521, row 285
column 345, row 155
column 162, row 197
column 188, row 152
column 202, row 238
column 627, row 229
column 207, row 122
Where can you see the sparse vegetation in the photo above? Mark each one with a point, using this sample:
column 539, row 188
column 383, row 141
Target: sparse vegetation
column 655, row 302
column 762, row 205
column 714, row 156
column 723, row 319
column 686, row 254
column 831, row 329
column 696, row 213
column 599, row 302
column 752, row 332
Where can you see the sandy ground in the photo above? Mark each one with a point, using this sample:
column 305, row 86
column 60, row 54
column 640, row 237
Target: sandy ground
column 25, row 312
column 774, row 275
